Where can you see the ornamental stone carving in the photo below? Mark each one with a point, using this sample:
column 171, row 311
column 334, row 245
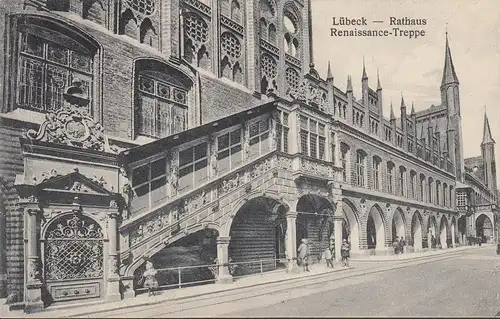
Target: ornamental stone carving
column 316, row 168
column 71, row 124
column 113, row 265
column 34, row 269
column 308, row 93
column 284, row 163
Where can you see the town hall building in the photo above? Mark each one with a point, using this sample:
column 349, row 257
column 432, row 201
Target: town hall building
column 198, row 134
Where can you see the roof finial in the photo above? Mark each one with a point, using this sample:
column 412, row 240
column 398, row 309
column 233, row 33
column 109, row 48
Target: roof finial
column 379, row 87
column 364, row 69
column 329, row 75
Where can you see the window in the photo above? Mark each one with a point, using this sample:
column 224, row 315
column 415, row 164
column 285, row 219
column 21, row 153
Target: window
column 344, row 149
column 290, row 41
column 193, row 167
column 282, row 129
column 376, row 173
column 450, row 194
column 312, row 138
column 438, row 193
column 259, row 141
column 422, row 187
column 162, row 108
column 410, row 146
column 402, row 181
column 48, row 63
column 430, row 192
column 461, row 199
column 149, row 184
column 445, row 195
column 229, row 154
column 413, row 182
column 390, row 177
column 360, row 169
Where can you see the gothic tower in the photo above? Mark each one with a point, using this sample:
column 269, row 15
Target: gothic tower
column 488, row 154
column 450, row 98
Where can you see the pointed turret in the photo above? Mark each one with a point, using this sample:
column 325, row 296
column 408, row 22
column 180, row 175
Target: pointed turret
column 392, row 113
column 487, row 138
column 379, row 87
column 403, row 105
column 412, row 110
column 329, row 75
column 349, row 84
column 365, row 77
column 449, row 75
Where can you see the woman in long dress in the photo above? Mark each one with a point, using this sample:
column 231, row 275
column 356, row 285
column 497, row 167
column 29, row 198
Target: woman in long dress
column 150, row 281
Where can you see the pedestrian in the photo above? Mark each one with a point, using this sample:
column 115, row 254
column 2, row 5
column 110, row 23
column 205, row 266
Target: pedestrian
column 150, row 281
column 395, row 245
column 304, row 254
column 328, row 257
column 345, row 250
column 402, row 246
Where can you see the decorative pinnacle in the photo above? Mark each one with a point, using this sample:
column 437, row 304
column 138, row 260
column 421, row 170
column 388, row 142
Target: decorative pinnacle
column 329, row 75
column 379, row 87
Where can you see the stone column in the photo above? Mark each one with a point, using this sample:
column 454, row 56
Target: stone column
column 453, row 235
column 33, row 292
column 224, row 276
column 337, row 226
column 113, row 275
column 291, row 242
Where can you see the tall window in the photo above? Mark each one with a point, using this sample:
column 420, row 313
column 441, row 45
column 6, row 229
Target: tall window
column 344, row 150
column 390, row 177
column 376, row 173
column 312, row 138
column 430, row 192
column 282, row 131
column 162, row 108
column 149, row 184
column 402, row 181
column 333, row 147
column 438, row 193
column 461, row 199
column 193, row 167
column 450, row 194
column 259, row 138
column 413, row 183
column 360, row 168
column 48, row 63
column 229, row 151
column 422, row 187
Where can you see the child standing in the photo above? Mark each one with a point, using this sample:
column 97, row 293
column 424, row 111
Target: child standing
column 150, row 281
column 345, row 252
column 328, row 257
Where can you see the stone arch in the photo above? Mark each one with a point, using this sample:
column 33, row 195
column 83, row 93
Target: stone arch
column 148, row 34
column 484, row 227
column 351, row 218
column 375, row 228
column 128, row 24
column 443, row 232
column 398, row 224
column 416, row 230
column 432, row 229
column 94, row 10
column 236, row 11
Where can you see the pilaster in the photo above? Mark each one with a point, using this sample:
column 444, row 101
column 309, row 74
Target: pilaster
column 33, row 292
column 291, row 242
column 224, row 276
column 113, row 258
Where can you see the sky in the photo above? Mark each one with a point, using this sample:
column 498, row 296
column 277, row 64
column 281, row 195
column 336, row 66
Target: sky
column 414, row 67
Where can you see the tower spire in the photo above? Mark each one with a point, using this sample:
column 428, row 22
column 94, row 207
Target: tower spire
column 329, row 75
column 349, row 84
column 392, row 113
column 449, row 75
column 364, row 70
column 402, row 101
column 379, row 87
column 412, row 109
column 487, row 138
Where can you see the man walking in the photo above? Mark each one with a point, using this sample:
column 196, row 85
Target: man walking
column 304, row 254
column 345, row 252
column 402, row 246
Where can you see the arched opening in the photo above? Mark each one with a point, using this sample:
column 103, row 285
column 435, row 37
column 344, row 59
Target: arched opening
column 398, row 225
column 462, row 230
column 416, row 231
column 314, row 223
column 431, row 232
column 196, row 249
column 257, row 234
column 350, row 225
column 375, row 230
column 443, row 232
column 148, row 33
column 128, row 24
column 484, row 228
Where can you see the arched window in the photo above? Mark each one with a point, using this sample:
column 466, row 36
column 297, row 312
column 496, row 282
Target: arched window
column 267, row 17
column 390, row 177
column 430, row 191
column 291, row 31
column 360, row 168
column 445, row 194
column 413, row 184
column 344, row 155
column 376, row 172
column 402, row 181
column 162, row 99
column 438, row 193
column 422, row 187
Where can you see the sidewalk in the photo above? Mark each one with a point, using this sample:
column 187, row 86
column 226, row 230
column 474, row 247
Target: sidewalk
column 318, row 270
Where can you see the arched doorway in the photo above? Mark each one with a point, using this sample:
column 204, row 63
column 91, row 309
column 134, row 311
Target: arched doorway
column 484, row 228
column 432, row 232
column 350, row 225
column 199, row 248
column 416, row 231
column 314, row 223
column 398, row 225
column 462, row 230
column 375, row 230
column 443, row 232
